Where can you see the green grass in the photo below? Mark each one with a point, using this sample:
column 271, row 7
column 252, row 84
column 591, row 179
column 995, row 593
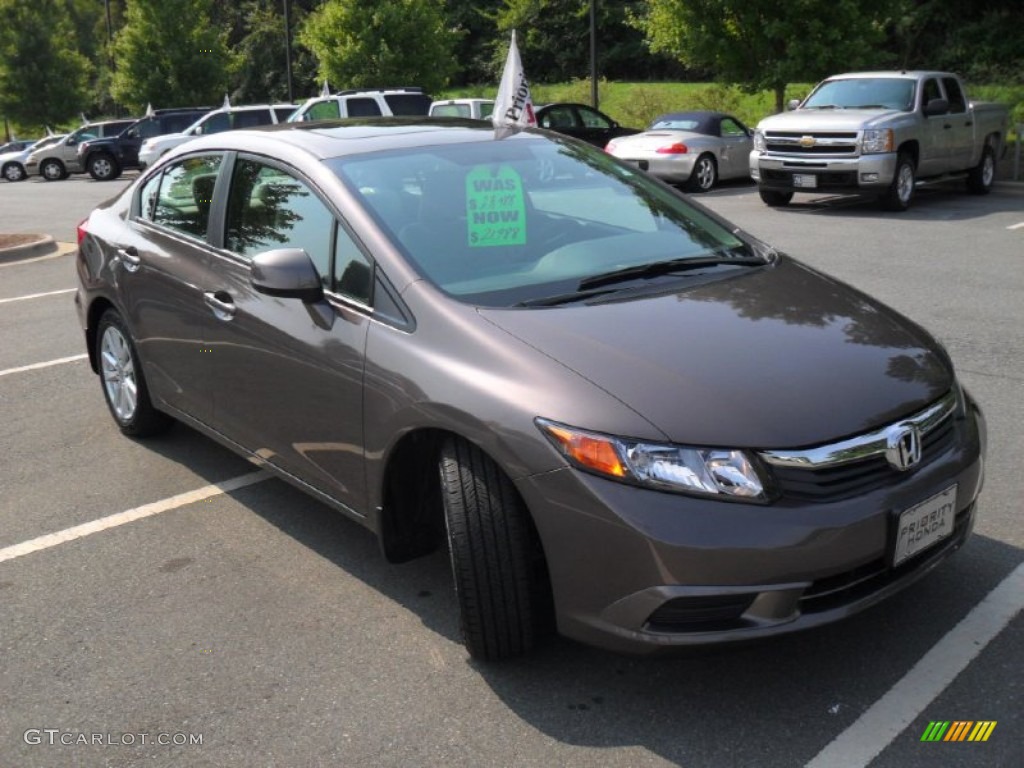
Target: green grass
column 636, row 104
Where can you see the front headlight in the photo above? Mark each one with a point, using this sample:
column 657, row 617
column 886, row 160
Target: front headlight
column 759, row 143
column 719, row 472
column 877, row 140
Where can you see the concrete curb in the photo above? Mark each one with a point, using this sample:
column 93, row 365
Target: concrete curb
column 42, row 245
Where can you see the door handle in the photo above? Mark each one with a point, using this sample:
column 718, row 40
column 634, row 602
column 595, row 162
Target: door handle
column 221, row 304
column 946, row 127
column 969, row 123
column 129, row 258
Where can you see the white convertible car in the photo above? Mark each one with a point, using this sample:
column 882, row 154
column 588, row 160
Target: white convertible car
column 691, row 148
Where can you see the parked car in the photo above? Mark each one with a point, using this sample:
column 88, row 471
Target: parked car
column 224, row 119
column 474, row 109
column 16, row 145
column 12, row 164
column 410, row 101
column 58, row 160
column 692, row 148
column 581, row 122
column 543, row 359
column 879, row 133
column 106, row 158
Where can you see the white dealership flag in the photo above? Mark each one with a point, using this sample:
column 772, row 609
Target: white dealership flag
column 513, row 107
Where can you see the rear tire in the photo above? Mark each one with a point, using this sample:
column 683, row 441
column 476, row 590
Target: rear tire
column 704, row 175
column 775, row 198
column 496, row 560
column 124, row 387
column 901, row 191
column 103, row 167
column 53, row 170
column 983, row 175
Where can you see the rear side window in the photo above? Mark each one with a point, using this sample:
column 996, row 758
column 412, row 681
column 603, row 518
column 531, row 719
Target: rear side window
column 250, row 118
column 409, row 103
column 215, row 124
column 362, row 108
column 180, row 197
column 283, row 113
column 174, row 124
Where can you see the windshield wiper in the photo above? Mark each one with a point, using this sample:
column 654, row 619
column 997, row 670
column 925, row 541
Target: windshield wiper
column 825, row 106
column 561, row 298
column 672, row 266
column 871, row 106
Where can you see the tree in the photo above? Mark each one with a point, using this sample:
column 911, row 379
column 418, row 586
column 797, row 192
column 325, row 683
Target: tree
column 765, row 44
column 169, row 54
column 384, row 43
column 43, row 78
column 263, row 73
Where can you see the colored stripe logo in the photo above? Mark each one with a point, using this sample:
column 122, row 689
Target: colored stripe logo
column 958, row 730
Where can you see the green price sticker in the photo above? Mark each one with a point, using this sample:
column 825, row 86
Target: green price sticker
column 495, row 208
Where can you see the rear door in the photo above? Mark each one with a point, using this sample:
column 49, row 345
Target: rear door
column 163, row 263
column 286, row 376
column 961, row 131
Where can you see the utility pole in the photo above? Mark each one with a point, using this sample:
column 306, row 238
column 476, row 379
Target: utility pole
column 288, row 51
column 593, row 53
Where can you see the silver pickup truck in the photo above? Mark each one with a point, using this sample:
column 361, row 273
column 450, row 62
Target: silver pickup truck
column 878, row 133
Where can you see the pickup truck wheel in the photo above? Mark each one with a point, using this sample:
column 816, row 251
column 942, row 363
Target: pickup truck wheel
column 774, row 197
column 494, row 554
column 704, row 175
column 980, row 179
column 13, row 172
column 53, row 170
column 103, row 167
column 901, row 191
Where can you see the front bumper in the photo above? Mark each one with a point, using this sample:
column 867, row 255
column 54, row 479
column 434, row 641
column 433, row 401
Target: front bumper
column 864, row 173
column 640, row 571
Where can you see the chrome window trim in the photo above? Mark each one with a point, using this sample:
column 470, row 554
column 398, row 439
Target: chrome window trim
column 863, row 446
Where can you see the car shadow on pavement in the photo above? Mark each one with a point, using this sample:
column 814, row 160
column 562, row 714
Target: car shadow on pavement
column 809, row 686
column 939, row 202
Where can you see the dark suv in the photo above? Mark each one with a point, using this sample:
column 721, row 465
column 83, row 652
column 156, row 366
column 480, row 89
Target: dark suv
column 104, row 159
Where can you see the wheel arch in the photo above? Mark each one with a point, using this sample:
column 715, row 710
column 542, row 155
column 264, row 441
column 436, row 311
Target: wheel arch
column 911, row 148
column 92, row 319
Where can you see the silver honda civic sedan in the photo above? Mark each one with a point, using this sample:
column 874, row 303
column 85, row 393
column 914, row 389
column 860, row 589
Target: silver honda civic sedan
column 622, row 416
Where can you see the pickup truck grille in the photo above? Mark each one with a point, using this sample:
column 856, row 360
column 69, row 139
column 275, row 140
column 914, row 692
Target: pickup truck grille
column 792, row 143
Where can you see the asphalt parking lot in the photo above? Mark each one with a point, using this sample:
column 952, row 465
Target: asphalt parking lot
column 163, row 603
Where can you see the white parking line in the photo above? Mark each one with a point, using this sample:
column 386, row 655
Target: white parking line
column 131, row 515
column 47, row 364
column 36, row 295
column 886, row 719
column 1016, row 226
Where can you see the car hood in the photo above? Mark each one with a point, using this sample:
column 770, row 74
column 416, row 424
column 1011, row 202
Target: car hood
column 827, row 120
column 780, row 357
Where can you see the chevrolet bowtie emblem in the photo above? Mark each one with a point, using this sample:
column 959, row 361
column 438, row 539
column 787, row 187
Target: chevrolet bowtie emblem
column 807, row 141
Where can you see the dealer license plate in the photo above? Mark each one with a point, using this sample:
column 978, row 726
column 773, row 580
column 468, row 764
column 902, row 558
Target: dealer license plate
column 805, row 180
column 925, row 524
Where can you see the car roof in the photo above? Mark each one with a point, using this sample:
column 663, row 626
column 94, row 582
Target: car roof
column 325, row 139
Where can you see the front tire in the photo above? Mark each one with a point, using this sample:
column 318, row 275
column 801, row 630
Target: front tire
column 53, row 170
column 124, row 387
column 103, row 167
column 901, row 191
column 704, row 175
column 14, row 172
column 495, row 556
column 775, row 198
column 983, row 175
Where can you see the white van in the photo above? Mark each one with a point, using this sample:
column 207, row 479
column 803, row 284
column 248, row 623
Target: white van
column 351, row 103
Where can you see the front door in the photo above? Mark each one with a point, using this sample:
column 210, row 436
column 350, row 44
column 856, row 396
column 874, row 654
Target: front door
column 286, row 376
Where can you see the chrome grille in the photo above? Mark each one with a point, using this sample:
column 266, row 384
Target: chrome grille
column 810, row 144
column 858, row 465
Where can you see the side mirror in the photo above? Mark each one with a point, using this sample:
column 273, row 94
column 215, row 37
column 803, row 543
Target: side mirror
column 936, row 107
column 287, row 273
column 793, row 104
column 72, row 142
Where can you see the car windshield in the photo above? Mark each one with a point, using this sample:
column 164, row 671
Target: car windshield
column 675, row 124
column 864, row 93
column 500, row 223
